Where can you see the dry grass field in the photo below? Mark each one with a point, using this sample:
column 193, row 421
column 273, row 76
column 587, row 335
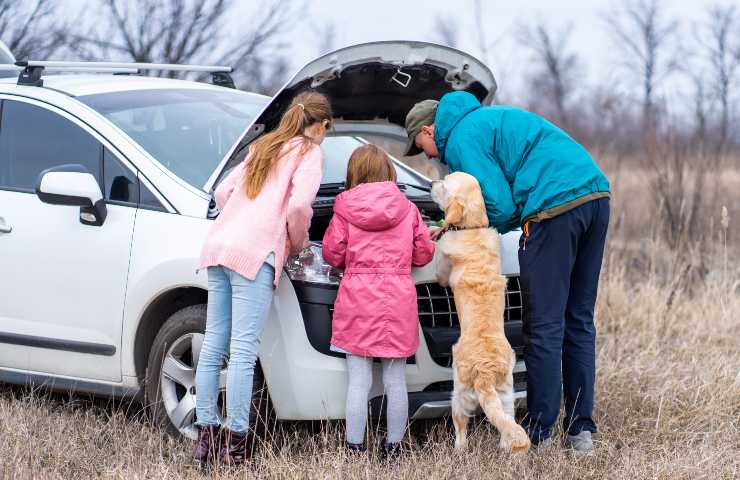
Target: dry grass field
column 668, row 399
column 668, row 405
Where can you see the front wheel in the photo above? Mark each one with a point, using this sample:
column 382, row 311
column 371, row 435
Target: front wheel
column 170, row 377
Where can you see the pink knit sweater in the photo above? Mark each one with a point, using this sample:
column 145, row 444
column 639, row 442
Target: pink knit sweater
column 277, row 221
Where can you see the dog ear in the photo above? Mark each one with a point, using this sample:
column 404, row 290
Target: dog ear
column 454, row 212
column 476, row 211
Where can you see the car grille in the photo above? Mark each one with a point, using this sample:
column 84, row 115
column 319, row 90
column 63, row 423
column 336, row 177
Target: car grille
column 441, row 326
column 437, row 304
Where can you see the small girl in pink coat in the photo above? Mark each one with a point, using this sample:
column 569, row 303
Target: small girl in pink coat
column 376, row 235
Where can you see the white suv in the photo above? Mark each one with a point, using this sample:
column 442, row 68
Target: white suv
column 105, row 185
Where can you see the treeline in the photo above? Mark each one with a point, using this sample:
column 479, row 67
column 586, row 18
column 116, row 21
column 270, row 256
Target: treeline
column 157, row 31
column 682, row 151
column 682, row 154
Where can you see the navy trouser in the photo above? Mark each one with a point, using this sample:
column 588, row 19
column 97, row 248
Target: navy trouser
column 560, row 261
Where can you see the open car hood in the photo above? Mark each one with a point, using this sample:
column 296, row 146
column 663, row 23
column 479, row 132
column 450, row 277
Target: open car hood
column 372, row 86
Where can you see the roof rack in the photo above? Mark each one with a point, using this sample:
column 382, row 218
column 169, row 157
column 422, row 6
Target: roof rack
column 31, row 70
column 14, row 67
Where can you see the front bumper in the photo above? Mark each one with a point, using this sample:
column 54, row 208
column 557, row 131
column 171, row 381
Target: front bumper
column 430, row 404
column 442, row 407
column 306, row 384
column 429, row 376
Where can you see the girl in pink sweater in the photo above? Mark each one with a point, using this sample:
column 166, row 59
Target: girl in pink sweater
column 265, row 212
column 376, row 235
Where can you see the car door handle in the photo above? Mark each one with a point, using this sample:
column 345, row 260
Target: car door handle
column 4, row 227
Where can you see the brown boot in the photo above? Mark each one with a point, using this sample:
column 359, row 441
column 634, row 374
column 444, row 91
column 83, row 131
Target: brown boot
column 207, row 446
column 236, row 448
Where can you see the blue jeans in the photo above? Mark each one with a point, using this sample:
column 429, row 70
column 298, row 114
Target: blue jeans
column 560, row 262
column 237, row 310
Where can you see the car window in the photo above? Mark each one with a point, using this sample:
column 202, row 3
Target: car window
column 33, row 139
column 188, row 131
column 148, row 200
column 124, row 186
column 121, row 185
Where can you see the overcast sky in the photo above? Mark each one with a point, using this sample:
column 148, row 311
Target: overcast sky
column 360, row 21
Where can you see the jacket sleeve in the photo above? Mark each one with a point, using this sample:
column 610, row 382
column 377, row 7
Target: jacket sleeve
column 226, row 187
column 304, row 185
column 334, row 246
column 423, row 245
column 470, row 155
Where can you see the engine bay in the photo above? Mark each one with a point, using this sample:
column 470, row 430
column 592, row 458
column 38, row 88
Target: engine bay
column 324, row 209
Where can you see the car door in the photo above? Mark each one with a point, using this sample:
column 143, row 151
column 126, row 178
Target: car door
column 62, row 283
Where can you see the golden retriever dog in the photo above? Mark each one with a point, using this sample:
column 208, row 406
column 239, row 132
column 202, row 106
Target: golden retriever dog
column 482, row 359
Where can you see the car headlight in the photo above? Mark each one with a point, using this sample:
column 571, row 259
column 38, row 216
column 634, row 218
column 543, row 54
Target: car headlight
column 309, row 266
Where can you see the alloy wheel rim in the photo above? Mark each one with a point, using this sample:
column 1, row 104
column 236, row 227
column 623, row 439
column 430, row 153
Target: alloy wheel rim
column 177, row 383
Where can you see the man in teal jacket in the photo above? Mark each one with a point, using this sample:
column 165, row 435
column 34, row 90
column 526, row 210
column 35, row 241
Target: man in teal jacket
column 534, row 176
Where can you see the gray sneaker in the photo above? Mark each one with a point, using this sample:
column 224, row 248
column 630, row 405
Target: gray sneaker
column 544, row 444
column 580, row 444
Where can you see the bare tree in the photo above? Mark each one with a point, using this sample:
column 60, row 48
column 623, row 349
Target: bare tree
column 192, row 31
column 327, row 37
column 257, row 53
column 171, row 31
column 264, row 74
column 712, row 94
column 717, row 42
column 483, row 44
column 643, row 35
column 702, row 109
column 557, row 67
column 32, row 28
column 446, row 29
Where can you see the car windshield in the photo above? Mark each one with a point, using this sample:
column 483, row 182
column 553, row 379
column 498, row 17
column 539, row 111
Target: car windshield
column 188, row 131
column 337, row 151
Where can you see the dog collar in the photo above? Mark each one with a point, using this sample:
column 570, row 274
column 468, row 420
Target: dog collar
column 455, row 228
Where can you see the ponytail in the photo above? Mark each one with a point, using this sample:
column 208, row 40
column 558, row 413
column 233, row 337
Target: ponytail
column 306, row 109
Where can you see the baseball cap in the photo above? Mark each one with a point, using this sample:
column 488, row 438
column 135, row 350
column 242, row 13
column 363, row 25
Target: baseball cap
column 420, row 115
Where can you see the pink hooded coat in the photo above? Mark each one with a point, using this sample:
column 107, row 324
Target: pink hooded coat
column 376, row 235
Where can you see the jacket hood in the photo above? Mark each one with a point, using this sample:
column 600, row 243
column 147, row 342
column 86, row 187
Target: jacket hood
column 451, row 109
column 373, row 206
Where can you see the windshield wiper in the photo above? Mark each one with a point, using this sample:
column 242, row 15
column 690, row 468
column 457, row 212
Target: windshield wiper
column 423, row 188
column 331, row 188
column 338, row 187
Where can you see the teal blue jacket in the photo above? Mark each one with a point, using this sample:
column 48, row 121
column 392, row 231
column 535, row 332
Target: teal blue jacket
column 524, row 164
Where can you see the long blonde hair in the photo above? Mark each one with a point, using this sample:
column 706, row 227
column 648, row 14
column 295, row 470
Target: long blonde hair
column 306, row 109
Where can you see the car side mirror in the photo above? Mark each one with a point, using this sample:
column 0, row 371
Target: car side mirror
column 73, row 184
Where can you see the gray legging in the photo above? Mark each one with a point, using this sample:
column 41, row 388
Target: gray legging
column 360, row 370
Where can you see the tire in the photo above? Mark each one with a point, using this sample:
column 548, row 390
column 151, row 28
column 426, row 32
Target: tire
column 170, row 378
